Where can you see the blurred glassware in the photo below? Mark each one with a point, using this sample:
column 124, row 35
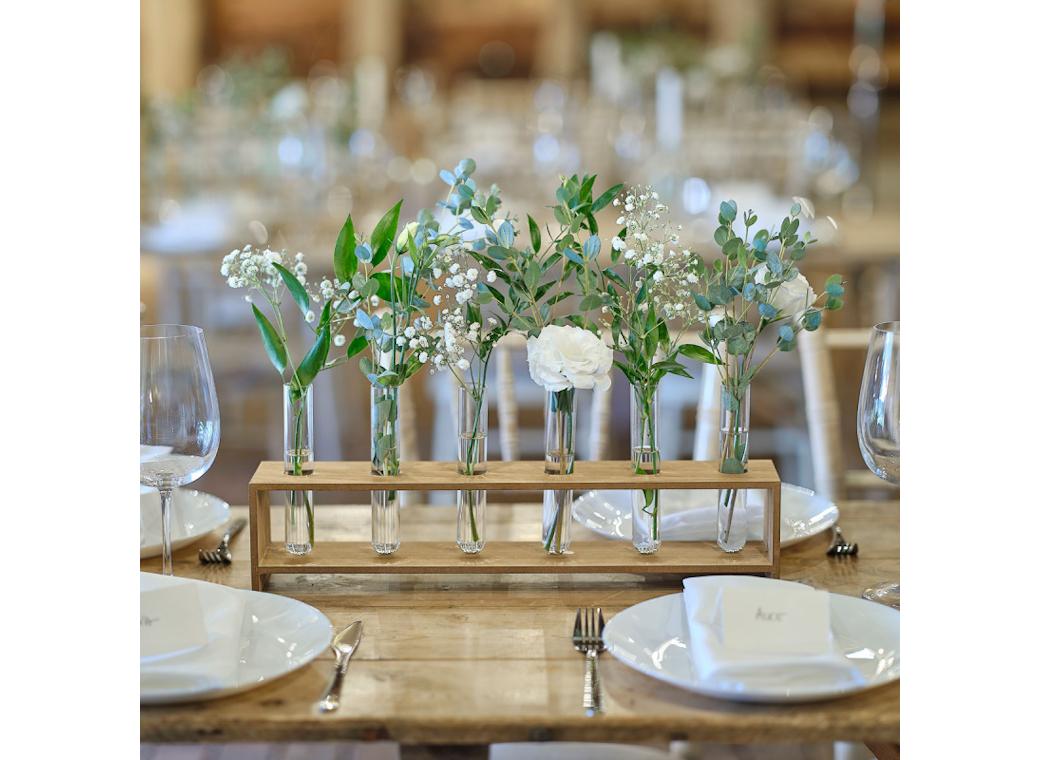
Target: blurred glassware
column 877, row 423
column 180, row 421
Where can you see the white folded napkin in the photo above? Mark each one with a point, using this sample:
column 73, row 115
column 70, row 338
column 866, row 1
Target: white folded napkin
column 215, row 664
column 731, row 670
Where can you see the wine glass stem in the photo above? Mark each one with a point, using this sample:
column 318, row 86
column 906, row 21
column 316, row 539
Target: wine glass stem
column 166, row 505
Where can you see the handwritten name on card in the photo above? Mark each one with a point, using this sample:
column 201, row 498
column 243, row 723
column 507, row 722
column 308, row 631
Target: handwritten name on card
column 778, row 621
column 171, row 620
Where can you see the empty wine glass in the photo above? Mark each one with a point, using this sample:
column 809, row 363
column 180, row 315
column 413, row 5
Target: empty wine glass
column 877, row 423
column 180, row 422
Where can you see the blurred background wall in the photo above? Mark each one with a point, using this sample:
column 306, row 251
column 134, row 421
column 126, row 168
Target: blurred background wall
column 268, row 122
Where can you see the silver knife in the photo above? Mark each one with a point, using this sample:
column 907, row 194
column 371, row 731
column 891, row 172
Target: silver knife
column 344, row 645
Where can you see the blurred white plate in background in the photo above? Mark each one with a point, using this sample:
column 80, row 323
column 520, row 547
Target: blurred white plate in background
column 194, row 515
column 690, row 515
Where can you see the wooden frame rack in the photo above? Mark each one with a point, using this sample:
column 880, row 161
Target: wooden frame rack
column 357, row 557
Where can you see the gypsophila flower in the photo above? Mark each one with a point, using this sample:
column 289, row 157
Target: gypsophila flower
column 339, row 340
column 492, row 276
column 310, row 317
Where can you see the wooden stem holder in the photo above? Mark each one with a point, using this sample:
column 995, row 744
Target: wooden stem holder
column 420, row 557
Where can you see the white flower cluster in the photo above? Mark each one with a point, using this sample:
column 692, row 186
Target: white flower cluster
column 455, row 336
column 253, row 267
column 651, row 247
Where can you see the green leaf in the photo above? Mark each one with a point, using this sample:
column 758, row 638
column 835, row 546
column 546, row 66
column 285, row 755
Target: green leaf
column 590, row 302
column 601, row 202
column 273, row 343
column 344, row 260
column 314, row 361
column 591, row 247
column 727, row 212
column 296, row 290
column 773, row 263
column 732, row 247
column 384, row 234
column 384, row 279
column 532, row 274
column 702, row 303
column 536, row 235
column 479, row 215
column 359, row 344
column 812, row 319
column 733, row 467
column 700, row 353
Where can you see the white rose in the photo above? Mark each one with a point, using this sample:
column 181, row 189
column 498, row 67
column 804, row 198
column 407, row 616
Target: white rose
column 791, row 297
column 568, row 357
column 402, row 239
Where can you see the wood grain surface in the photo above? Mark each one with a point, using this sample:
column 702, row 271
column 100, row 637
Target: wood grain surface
column 509, row 476
column 473, row 659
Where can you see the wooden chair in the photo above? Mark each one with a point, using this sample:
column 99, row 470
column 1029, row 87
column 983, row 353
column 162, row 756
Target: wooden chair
column 823, row 413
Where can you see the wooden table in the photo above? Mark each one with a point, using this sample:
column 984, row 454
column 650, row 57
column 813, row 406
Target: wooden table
column 481, row 659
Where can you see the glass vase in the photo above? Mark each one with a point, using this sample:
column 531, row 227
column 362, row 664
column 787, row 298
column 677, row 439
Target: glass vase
column 472, row 460
column 646, row 460
column 298, row 425
column 734, row 426
column 559, row 460
column 386, row 460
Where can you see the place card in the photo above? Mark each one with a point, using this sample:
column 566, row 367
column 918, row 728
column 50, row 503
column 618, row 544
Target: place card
column 171, row 620
column 788, row 620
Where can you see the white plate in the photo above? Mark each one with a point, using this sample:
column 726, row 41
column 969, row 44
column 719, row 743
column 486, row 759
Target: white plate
column 278, row 635
column 803, row 514
column 652, row 637
column 194, row 515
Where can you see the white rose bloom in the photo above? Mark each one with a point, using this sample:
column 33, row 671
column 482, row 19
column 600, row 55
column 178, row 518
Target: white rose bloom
column 402, row 239
column 792, row 297
column 568, row 357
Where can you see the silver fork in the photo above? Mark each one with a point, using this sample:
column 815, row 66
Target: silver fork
column 588, row 639
column 222, row 554
column 840, row 547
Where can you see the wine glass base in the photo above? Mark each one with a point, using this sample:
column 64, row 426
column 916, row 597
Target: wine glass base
column 886, row 593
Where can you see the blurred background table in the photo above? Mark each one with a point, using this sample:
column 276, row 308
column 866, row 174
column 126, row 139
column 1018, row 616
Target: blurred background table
column 267, row 123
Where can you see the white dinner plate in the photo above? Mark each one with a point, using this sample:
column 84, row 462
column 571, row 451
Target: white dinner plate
column 803, row 514
column 194, row 515
column 277, row 636
column 652, row 637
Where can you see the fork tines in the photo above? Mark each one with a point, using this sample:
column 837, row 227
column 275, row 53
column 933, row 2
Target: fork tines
column 214, row 557
column 588, row 629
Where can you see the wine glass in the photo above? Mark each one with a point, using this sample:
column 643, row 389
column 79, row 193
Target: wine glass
column 877, row 423
column 180, row 422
